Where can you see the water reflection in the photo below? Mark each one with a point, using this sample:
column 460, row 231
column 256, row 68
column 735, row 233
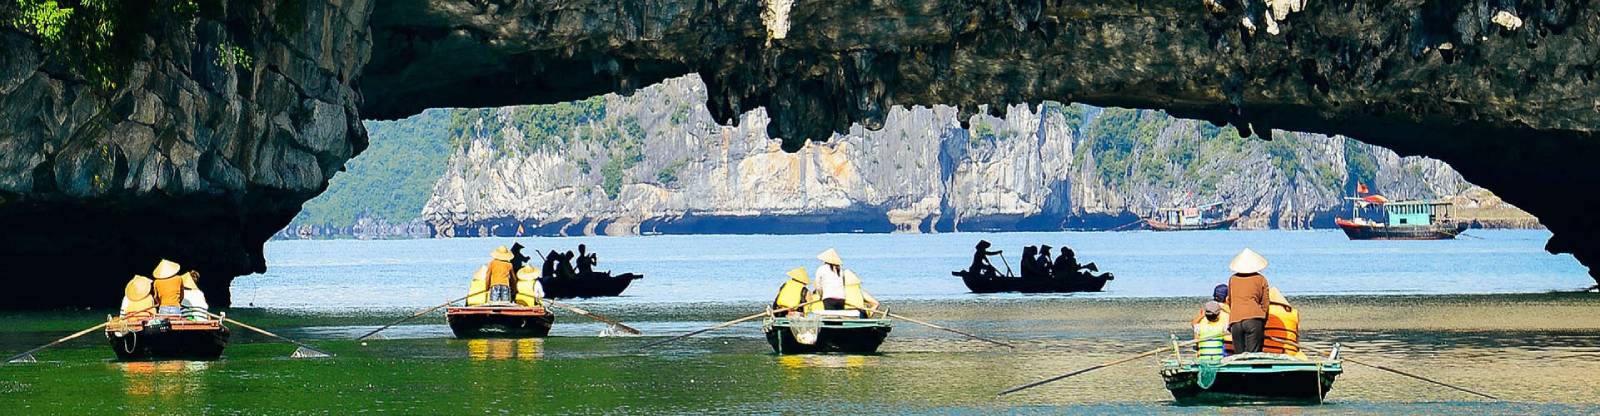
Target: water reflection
column 525, row 349
column 805, row 361
column 163, row 379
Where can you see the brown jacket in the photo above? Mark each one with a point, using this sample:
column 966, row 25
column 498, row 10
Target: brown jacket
column 499, row 273
column 1247, row 297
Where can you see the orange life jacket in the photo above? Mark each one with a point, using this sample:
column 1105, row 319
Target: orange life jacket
column 169, row 291
column 1283, row 321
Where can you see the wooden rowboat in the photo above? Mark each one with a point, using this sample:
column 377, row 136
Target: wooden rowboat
column 499, row 321
column 589, row 285
column 166, row 337
column 831, row 334
column 1253, row 378
column 1084, row 282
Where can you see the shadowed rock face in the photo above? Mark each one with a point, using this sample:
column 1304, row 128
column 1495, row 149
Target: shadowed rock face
column 187, row 159
column 1512, row 107
column 202, row 162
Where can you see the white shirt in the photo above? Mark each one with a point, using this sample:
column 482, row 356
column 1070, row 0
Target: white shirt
column 830, row 283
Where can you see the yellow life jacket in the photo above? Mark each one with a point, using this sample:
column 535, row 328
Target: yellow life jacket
column 811, row 302
column 793, row 292
column 1283, row 321
column 1211, row 349
column 480, row 285
column 853, row 299
column 526, row 295
column 169, row 291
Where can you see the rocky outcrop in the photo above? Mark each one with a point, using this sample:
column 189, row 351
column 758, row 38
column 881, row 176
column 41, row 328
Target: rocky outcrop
column 1050, row 167
column 1513, row 110
column 189, row 158
column 1511, row 107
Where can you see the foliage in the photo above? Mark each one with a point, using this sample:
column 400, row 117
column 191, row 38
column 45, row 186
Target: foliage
column 101, row 38
column 669, row 175
column 229, row 54
column 394, row 178
column 1360, row 165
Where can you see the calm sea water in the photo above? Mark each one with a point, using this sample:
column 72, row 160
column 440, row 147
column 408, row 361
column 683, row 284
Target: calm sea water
column 746, row 268
column 1472, row 312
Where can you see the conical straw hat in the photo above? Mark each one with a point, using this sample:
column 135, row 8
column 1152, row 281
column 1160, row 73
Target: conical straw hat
column 501, row 253
column 165, row 269
column 138, row 288
column 799, row 274
column 831, row 257
column 850, row 277
column 1248, row 262
column 527, row 272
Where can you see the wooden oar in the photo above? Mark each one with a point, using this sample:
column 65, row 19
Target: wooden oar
column 1008, row 265
column 901, row 317
column 1097, row 367
column 17, row 357
column 728, row 324
column 593, row 316
column 304, row 351
column 424, row 312
column 1379, row 367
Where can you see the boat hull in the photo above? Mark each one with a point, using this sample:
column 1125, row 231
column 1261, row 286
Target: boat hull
column 839, row 336
column 998, row 284
column 1157, row 225
column 499, row 322
column 1286, row 381
column 178, row 340
column 590, row 285
column 1421, row 232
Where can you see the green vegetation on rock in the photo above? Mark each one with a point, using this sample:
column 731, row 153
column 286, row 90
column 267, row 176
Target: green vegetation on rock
column 393, row 178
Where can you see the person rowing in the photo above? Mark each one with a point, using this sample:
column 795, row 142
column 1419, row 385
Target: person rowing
column 980, row 261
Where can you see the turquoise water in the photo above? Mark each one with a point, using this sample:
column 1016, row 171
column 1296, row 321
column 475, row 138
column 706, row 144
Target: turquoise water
column 745, row 268
column 1473, row 312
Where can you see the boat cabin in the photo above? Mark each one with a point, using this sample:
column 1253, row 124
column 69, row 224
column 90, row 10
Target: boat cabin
column 1414, row 213
column 1180, row 216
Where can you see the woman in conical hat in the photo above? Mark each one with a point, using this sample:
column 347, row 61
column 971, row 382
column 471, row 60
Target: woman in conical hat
column 168, row 289
column 137, row 298
column 1247, row 301
column 830, row 280
column 500, row 273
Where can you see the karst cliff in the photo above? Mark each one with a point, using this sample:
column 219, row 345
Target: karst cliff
column 200, row 159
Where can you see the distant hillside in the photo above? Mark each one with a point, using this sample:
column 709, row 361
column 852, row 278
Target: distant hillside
column 656, row 162
column 381, row 193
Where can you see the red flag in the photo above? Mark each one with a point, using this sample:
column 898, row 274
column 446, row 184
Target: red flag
column 1361, row 188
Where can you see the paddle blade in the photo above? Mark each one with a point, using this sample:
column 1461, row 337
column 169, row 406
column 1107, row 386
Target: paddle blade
column 25, row 358
column 303, row 352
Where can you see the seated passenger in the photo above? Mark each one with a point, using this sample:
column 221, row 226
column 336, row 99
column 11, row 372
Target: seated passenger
column 856, row 298
column 529, row 291
column 138, row 300
column 793, row 292
column 1210, row 331
column 1283, row 323
column 168, row 288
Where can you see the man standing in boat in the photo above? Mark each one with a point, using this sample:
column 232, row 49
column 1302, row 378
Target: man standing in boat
column 1247, row 301
column 830, row 280
column 499, row 274
column 586, row 260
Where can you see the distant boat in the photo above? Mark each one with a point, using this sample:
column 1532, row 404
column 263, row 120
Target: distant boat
column 588, row 285
column 1404, row 220
column 1189, row 219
